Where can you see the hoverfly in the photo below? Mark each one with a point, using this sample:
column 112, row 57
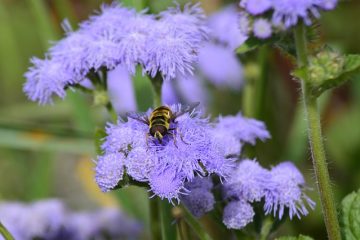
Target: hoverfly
column 160, row 120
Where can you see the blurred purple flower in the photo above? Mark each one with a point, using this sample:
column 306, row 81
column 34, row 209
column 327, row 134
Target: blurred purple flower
column 220, row 65
column 200, row 199
column 237, row 214
column 256, row 7
column 262, row 28
column 185, row 89
column 288, row 12
column 168, row 165
column 287, row 192
column 50, row 220
column 224, row 27
column 42, row 219
column 121, row 90
column 169, row 93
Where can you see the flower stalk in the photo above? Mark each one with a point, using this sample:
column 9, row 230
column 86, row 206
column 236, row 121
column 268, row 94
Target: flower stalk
column 155, row 228
column 316, row 142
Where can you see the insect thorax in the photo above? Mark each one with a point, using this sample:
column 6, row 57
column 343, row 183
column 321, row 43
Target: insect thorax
column 160, row 120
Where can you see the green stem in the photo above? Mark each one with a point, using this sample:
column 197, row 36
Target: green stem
column 5, row 233
column 195, row 225
column 266, row 229
column 111, row 111
column 157, row 85
column 155, row 227
column 316, row 143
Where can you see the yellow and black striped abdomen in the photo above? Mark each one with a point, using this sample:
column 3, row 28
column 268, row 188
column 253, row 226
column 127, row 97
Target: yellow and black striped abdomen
column 160, row 120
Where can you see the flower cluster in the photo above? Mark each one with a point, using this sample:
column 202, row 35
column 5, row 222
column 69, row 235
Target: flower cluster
column 195, row 147
column 281, row 188
column 184, row 152
column 49, row 219
column 284, row 14
column 166, row 44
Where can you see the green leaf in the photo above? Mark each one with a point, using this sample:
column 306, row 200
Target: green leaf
column 100, row 134
column 300, row 237
column 350, row 216
column 252, row 43
column 328, row 70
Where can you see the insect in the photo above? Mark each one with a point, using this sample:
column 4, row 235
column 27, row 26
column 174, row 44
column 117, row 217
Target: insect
column 160, row 120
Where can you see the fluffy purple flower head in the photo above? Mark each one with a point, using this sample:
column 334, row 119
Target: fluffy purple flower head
column 224, row 28
column 249, row 182
column 113, row 18
column 71, row 52
column 200, row 199
column 46, row 78
column 238, row 214
column 174, row 42
column 109, row 170
column 288, row 12
column 189, row 21
column 220, row 65
column 188, row 151
column 287, row 191
column 262, row 28
column 245, row 130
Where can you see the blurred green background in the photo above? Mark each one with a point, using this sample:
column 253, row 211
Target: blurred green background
column 47, row 151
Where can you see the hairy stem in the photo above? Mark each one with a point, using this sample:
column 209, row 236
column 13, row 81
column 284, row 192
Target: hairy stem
column 316, row 142
column 5, row 233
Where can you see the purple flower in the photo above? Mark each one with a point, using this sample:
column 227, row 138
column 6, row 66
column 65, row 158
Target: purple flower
column 220, row 65
column 121, row 90
column 189, row 21
column 224, row 28
column 237, row 214
column 249, row 182
column 262, row 28
column 166, row 166
column 167, row 45
column 256, row 7
column 288, row 12
column 50, row 220
column 287, row 192
column 42, row 219
column 71, row 52
column 109, row 170
column 45, row 79
column 245, row 130
column 200, row 199
column 174, row 42
column 107, row 223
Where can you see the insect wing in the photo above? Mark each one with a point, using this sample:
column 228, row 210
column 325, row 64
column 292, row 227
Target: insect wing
column 187, row 108
column 142, row 117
